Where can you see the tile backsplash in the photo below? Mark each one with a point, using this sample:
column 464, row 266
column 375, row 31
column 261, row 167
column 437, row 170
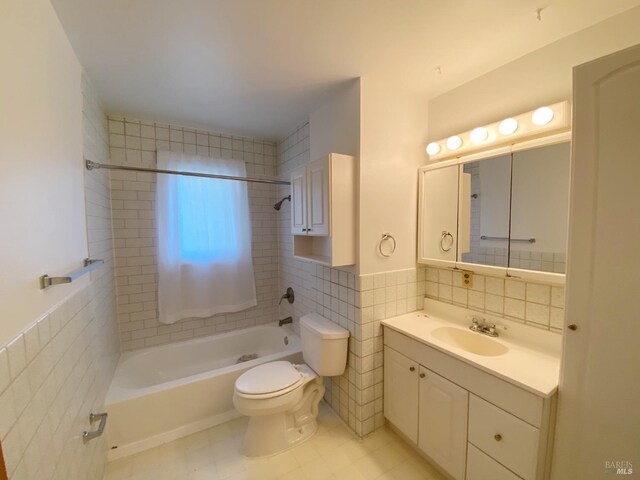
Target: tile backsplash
column 135, row 142
column 535, row 304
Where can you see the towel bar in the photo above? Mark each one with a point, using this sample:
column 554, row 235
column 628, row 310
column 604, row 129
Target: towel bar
column 47, row 281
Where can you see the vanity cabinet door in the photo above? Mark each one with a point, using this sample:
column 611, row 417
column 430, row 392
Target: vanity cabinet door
column 443, row 422
column 401, row 392
column 438, row 216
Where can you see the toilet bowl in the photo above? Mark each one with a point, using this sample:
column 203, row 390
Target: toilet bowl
column 282, row 399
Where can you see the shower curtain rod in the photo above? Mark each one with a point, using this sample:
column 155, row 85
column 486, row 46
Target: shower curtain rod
column 95, row 165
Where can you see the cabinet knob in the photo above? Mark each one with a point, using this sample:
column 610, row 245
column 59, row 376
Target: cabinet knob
column 497, row 437
column 422, row 375
column 573, row 327
column 412, row 369
column 308, row 229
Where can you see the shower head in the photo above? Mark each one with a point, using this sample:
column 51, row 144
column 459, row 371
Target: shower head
column 279, row 204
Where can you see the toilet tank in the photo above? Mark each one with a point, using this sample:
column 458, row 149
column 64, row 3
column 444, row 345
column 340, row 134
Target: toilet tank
column 324, row 345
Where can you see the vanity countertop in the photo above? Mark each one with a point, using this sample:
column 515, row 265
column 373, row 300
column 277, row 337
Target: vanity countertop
column 532, row 359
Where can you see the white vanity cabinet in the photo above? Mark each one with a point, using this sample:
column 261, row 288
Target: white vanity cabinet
column 472, row 424
column 323, row 210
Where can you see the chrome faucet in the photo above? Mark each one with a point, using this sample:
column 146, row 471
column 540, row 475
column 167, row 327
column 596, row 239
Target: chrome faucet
column 481, row 326
column 285, row 321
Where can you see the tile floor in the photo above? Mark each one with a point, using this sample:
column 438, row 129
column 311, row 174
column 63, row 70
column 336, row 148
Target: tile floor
column 333, row 453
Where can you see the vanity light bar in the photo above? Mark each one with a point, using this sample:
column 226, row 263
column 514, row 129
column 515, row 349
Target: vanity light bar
column 545, row 120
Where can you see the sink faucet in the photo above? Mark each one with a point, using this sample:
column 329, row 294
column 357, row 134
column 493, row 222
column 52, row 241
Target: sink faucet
column 284, row 321
column 481, row 326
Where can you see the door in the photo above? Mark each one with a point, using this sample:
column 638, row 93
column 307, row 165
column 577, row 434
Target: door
column 318, row 197
column 443, row 422
column 438, row 216
column 299, row 201
column 598, row 422
column 401, row 392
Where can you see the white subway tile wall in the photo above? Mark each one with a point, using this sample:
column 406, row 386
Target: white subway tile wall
column 58, row 370
column 534, row 304
column 135, row 142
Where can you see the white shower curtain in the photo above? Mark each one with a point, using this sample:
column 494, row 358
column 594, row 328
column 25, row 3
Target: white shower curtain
column 204, row 239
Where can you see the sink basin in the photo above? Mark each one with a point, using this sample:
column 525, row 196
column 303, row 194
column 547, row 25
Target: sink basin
column 471, row 342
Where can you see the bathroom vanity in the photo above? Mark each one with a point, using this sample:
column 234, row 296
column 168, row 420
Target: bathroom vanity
column 481, row 408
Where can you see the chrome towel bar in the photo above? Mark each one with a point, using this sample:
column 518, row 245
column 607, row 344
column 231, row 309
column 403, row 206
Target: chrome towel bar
column 86, row 436
column 88, row 265
column 529, row 240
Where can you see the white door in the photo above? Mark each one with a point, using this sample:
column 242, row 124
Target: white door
column 401, row 392
column 299, row 201
column 443, row 422
column 598, row 422
column 318, row 197
column 438, row 215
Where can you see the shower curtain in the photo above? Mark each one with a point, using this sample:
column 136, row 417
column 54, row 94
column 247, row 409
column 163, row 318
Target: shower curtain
column 204, row 239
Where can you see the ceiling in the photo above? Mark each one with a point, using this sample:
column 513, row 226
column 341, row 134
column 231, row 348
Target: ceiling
column 259, row 67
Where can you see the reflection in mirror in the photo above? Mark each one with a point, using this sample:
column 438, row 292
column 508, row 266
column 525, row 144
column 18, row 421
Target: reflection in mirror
column 484, row 211
column 540, row 208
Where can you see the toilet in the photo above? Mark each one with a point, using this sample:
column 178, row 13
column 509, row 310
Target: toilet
column 282, row 399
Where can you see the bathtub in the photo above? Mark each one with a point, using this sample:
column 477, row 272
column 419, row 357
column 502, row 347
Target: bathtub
column 162, row 393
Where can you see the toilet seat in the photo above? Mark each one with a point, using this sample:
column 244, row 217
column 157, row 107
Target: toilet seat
column 269, row 380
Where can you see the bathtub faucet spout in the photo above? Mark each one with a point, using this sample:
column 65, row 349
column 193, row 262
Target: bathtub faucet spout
column 285, row 321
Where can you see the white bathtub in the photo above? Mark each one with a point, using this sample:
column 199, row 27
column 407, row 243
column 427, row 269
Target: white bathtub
column 162, row 393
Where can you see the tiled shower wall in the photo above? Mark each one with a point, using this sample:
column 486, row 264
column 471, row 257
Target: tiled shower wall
column 135, row 142
column 58, row 370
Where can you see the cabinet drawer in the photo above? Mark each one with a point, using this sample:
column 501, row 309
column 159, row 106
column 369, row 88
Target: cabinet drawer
column 483, row 467
column 504, row 437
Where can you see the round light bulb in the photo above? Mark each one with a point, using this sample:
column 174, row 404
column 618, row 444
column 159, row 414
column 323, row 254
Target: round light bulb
column 479, row 135
column 454, row 143
column 542, row 116
column 508, row 126
column 433, row 148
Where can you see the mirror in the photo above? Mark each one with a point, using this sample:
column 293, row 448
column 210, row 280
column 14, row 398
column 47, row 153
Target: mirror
column 483, row 222
column 540, row 208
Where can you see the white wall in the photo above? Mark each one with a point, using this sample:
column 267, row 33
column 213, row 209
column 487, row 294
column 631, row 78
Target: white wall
column 393, row 135
column 335, row 125
column 541, row 77
column 42, row 213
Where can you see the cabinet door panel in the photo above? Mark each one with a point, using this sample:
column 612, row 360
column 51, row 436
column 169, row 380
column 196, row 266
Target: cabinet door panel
column 318, row 197
column 401, row 393
column 439, row 215
column 443, row 422
column 298, row 201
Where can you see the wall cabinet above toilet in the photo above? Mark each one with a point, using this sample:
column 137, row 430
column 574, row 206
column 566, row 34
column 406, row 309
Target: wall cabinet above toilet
column 323, row 210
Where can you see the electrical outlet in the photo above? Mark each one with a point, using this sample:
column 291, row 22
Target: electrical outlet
column 467, row 278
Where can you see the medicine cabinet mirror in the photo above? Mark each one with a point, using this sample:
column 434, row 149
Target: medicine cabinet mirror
column 503, row 212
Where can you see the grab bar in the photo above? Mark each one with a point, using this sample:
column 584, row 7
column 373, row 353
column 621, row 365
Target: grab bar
column 86, row 436
column 529, row 240
column 88, row 265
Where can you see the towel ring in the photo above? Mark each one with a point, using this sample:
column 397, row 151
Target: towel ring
column 445, row 234
column 387, row 236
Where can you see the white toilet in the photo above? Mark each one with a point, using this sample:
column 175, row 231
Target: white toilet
column 282, row 398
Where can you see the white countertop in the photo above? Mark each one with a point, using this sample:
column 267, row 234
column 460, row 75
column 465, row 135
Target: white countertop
column 532, row 361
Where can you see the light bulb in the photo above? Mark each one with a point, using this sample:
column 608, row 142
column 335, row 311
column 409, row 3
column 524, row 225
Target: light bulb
column 508, row 126
column 433, row 148
column 542, row 116
column 454, row 143
column 479, row 135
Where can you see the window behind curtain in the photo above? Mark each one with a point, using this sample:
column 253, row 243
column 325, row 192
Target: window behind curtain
column 204, row 239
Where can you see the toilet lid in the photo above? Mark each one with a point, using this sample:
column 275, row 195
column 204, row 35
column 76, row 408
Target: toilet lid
column 268, row 378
